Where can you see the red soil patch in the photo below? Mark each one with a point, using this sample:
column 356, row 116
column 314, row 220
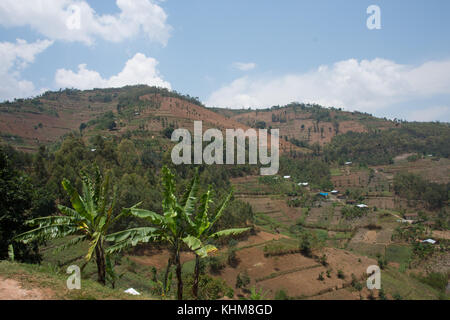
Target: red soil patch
column 441, row 234
column 253, row 261
column 12, row 290
column 185, row 113
column 341, row 294
column 305, row 283
column 301, row 126
column 158, row 258
column 260, row 237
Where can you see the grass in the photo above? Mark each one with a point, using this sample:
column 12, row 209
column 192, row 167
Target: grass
column 409, row 288
column 367, row 249
column 134, row 275
column 335, row 172
column 43, row 277
column 398, row 253
column 270, row 224
column 280, row 247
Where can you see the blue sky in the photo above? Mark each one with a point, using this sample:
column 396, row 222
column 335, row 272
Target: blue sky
column 237, row 53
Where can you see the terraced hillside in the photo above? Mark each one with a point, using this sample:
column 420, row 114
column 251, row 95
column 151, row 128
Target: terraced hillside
column 45, row 119
column 340, row 234
column 309, row 123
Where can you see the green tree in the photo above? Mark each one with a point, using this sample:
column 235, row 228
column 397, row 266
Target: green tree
column 171, row 227
column 16, row 202
column 202, row 231
column 89, row 219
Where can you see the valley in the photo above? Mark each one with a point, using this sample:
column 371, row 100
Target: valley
column 352, row 191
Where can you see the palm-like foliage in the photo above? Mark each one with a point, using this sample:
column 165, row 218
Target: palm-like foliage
column 89, row 220
column 256, row 294
column 202, row 232
column 177, row 226
column 171, row 227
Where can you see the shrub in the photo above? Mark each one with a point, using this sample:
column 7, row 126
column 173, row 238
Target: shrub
column 210, row 288
column 242, row 280
column 323, row 260
column 321, row 278
column 381, row 261
column 306, row 243
column 356, row 284
column 281, row 295
column 382, row 294
column 215, row 264
column 232, row 258
column 397, row 296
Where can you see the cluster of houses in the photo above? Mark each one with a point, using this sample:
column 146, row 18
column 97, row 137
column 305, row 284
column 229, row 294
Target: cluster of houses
column 408, row 217
column 333, row 192
column 414, row 218
column 341, row 196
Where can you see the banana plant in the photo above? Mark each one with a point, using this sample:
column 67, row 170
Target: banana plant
column 171, row 227
column 11, row 253
column 202, row 232
column 256, row 294
column 159, row 287
column 89, row 219
column 111, row 275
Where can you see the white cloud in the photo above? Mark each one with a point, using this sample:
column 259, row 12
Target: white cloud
column 15, row 57
column 366, row 85
column 138, row 70
column 58, row 20
column 244, row 66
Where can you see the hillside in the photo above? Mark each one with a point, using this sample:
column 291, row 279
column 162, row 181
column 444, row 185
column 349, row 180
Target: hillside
column 27, row 123
column 308, row 237
column 20, row 281
column 309, row 123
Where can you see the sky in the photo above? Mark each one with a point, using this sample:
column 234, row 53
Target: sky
column 237, row 53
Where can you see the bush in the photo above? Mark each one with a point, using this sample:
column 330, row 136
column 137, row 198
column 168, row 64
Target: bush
column 209, row 288
column 167, row 132
column 215, row 265
column 321, row 278
column 397, row 296
column 306, row 244
column 323, row 260
column 232, row 258
column 382, row 263
column 242, row 280
column 382, row 294
column 356, row 284
column 281, row 295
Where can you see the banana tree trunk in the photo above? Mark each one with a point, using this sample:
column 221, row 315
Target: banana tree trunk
column 101, row 263
column 180, row 280
column 196, row 277
column 166, row 275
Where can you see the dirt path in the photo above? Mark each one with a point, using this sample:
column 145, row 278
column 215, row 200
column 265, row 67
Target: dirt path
column 12, row 290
